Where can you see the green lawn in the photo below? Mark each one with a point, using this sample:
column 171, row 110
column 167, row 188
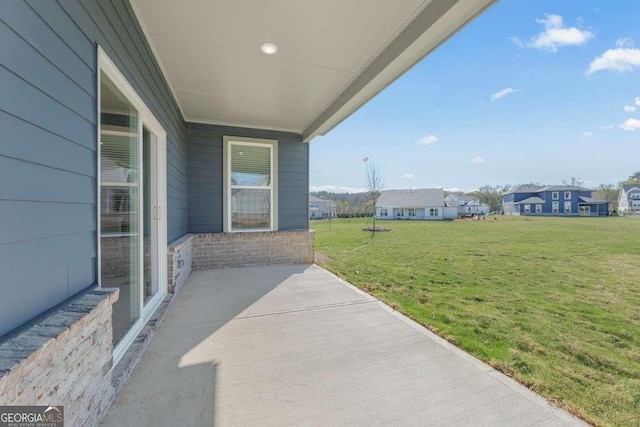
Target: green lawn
column 552, row 302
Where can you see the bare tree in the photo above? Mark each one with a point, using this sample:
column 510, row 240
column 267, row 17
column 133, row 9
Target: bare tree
column 574, row 181
column 374, row 181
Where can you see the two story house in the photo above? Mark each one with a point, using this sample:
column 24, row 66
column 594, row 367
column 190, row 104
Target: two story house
column 556, row 200
column 321, row 208
column 467, row 205
column 629, row 198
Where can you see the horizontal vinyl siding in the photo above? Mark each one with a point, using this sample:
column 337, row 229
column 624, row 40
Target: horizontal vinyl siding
column 48, row 144
column 293, row 181
column 205, row 171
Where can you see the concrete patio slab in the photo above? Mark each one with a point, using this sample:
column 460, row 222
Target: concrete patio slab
column 295, row 345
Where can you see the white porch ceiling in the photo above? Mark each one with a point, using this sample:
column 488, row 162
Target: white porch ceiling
column 334, row 55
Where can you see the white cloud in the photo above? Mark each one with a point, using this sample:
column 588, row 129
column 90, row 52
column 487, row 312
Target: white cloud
column 587, row 134
column 476, row 160
column 337, row 189
column 407, row 176
column 452, row 189
column 629, row 108
column 637, row 101
column 624, row 42
column 504, row 92
column 630, row 124
column 618, row 59
column 607, row 127
column 429, row 139
column 555, row 35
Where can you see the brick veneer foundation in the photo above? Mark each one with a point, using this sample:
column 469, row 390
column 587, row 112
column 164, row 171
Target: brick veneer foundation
column 64, row 359
column 222, row 250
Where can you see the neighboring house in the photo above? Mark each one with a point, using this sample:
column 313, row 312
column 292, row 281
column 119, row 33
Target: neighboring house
column 629, row 198
column 144, row 138
column 327, row 207
column 315, row 213
column 467, row 205
column 425, row 203
column 556, row 200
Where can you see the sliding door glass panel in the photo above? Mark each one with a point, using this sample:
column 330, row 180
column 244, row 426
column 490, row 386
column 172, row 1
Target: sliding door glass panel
column 119, row 204
column 149, row 202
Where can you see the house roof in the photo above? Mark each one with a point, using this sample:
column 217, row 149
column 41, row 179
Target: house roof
column 629, row 187
column 564, row 188
column 333, row 55
column 463, row 199
column 530, row 200
column 315, row 199
column 525, row 188
column 411, row 198
column 591, row 200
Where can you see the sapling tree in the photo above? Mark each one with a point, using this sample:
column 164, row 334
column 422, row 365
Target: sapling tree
column 374, row 181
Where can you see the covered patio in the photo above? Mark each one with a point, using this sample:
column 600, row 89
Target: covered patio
column 295, row 345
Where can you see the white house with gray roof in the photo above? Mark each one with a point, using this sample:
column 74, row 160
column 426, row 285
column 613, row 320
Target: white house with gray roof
column 427, row 203
column 321, row 208
column 467, row 205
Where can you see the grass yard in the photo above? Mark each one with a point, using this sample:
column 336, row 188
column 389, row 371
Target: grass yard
column 552, row 302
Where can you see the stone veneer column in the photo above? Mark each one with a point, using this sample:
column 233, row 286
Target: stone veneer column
column 64, row 359
column 178, row 263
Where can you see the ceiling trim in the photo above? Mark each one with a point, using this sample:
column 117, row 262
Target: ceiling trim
column 156, row 56
column 423, row 35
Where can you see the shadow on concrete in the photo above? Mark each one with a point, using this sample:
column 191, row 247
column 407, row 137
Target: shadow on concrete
column 175, row 382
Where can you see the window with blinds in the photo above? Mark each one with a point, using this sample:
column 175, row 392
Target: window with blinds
column 250, row 186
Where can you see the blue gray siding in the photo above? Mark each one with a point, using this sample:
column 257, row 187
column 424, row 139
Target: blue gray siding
column 204, row 144
column 48, row 144
column 511, row 206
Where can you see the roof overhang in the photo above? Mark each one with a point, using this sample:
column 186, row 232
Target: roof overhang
column 334, row 55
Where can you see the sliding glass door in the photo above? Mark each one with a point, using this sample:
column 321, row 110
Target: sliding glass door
column 150, row 214
column 132, row 196
column 119, row 204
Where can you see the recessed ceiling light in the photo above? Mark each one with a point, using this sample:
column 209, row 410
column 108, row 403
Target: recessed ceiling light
column 269, row 48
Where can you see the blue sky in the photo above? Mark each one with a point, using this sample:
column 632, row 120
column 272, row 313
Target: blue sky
column 532, row 91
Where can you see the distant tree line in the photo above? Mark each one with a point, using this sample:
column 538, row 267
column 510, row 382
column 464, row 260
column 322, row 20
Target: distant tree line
column 349, row 205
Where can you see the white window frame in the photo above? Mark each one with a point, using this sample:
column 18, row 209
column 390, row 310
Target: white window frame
column 567, row 203
column 527, row 208
column 555, row 195
column 273, row 187
column 555, row 207
column 148, row 120
column 432, row 211
column 567, row 195
column 538, row 208
column 411, row 212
